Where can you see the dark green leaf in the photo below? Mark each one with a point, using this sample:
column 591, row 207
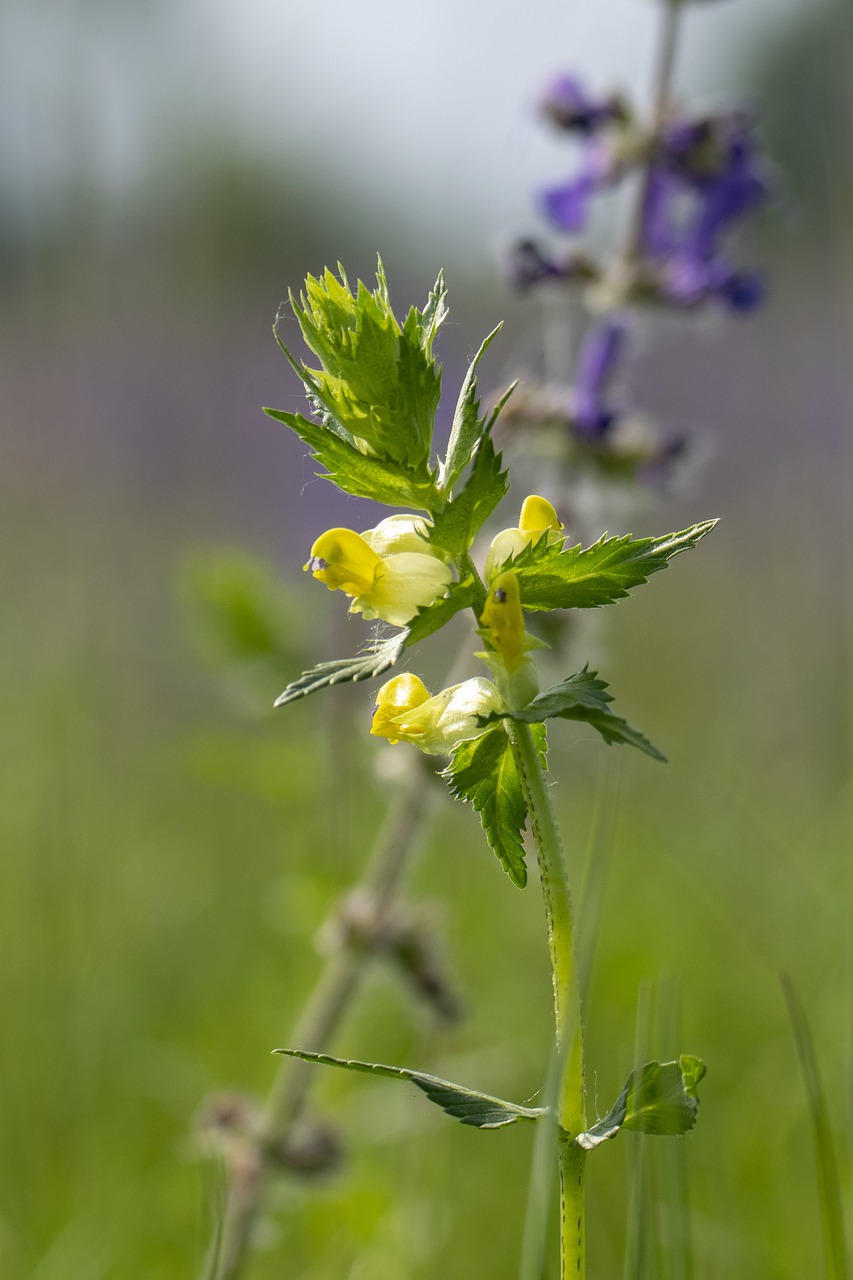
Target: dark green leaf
column 468, row 427
column 582, row 697
column 358, row 473
column 478, row 1109
column 659, row 1098
column 585, row 578
column 377, row 656
column 483, row 772
column 455, row 528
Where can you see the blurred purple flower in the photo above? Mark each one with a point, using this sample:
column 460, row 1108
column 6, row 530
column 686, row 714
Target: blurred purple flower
column 526, row 264
column 567, row 105
column 567, row 205
column 598, row 360
column 708, row 175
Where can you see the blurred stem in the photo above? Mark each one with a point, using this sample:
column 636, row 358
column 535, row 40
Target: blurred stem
column 559, row 915
column 661, row 92
column 321, row 1019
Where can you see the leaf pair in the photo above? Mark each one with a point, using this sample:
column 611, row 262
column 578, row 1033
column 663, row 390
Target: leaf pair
column 659, row 1098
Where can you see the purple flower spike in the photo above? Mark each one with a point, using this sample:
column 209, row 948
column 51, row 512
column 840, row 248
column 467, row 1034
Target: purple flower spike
column 707, row 177
column 597, row 362
column 568, row 106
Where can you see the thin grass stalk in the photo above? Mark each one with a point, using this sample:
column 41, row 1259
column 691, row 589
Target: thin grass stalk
column 828, row 1179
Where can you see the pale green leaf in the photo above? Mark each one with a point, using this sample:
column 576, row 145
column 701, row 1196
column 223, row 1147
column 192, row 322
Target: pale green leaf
column 659, row 1098
column 379, row 381
column 358, row 473
column 468, row 427
column 470, row 1107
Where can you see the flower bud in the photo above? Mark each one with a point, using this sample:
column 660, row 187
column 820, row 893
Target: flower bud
column 502, row 626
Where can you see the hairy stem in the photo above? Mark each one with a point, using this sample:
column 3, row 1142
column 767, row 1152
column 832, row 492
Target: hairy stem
column 559, row 915
column 321, row 1019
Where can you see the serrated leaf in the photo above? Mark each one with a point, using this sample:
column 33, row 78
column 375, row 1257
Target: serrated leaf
column 379, row 380
column 454, row 529
column 383, row 650
column 377, row 656
column 468, row 427
column 359, row 473
column 585, row 578
column 467, row 1105
column 434, row 313
column 483, row 772
column 581, row 697
column 659, row 1098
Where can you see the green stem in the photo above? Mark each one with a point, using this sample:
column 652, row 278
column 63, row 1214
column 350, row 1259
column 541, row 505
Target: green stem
column 559, row 915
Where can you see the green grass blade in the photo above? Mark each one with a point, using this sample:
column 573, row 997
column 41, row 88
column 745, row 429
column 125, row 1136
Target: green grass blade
column 828, row 1180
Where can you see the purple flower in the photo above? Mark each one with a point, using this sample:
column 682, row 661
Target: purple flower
column 567, row 205
column 527, row 264
column 592, row 416
column 708, row 175
column 568, row 106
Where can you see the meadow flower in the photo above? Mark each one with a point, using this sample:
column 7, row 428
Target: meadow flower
column 391, row 572
column 405, row 712
column 537, row 519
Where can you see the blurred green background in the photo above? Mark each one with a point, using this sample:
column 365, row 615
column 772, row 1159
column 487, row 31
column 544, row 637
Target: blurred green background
column 170, row 846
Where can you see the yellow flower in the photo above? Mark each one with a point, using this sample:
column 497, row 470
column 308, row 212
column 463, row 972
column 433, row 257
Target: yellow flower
column 538, row 519
column 391, row 571
column 502, row 625
column 405, row 712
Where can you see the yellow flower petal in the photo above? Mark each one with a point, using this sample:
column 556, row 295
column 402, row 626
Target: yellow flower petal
column 537, row 515
column 401, row 694
column 404, row 584
column 342, row 559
